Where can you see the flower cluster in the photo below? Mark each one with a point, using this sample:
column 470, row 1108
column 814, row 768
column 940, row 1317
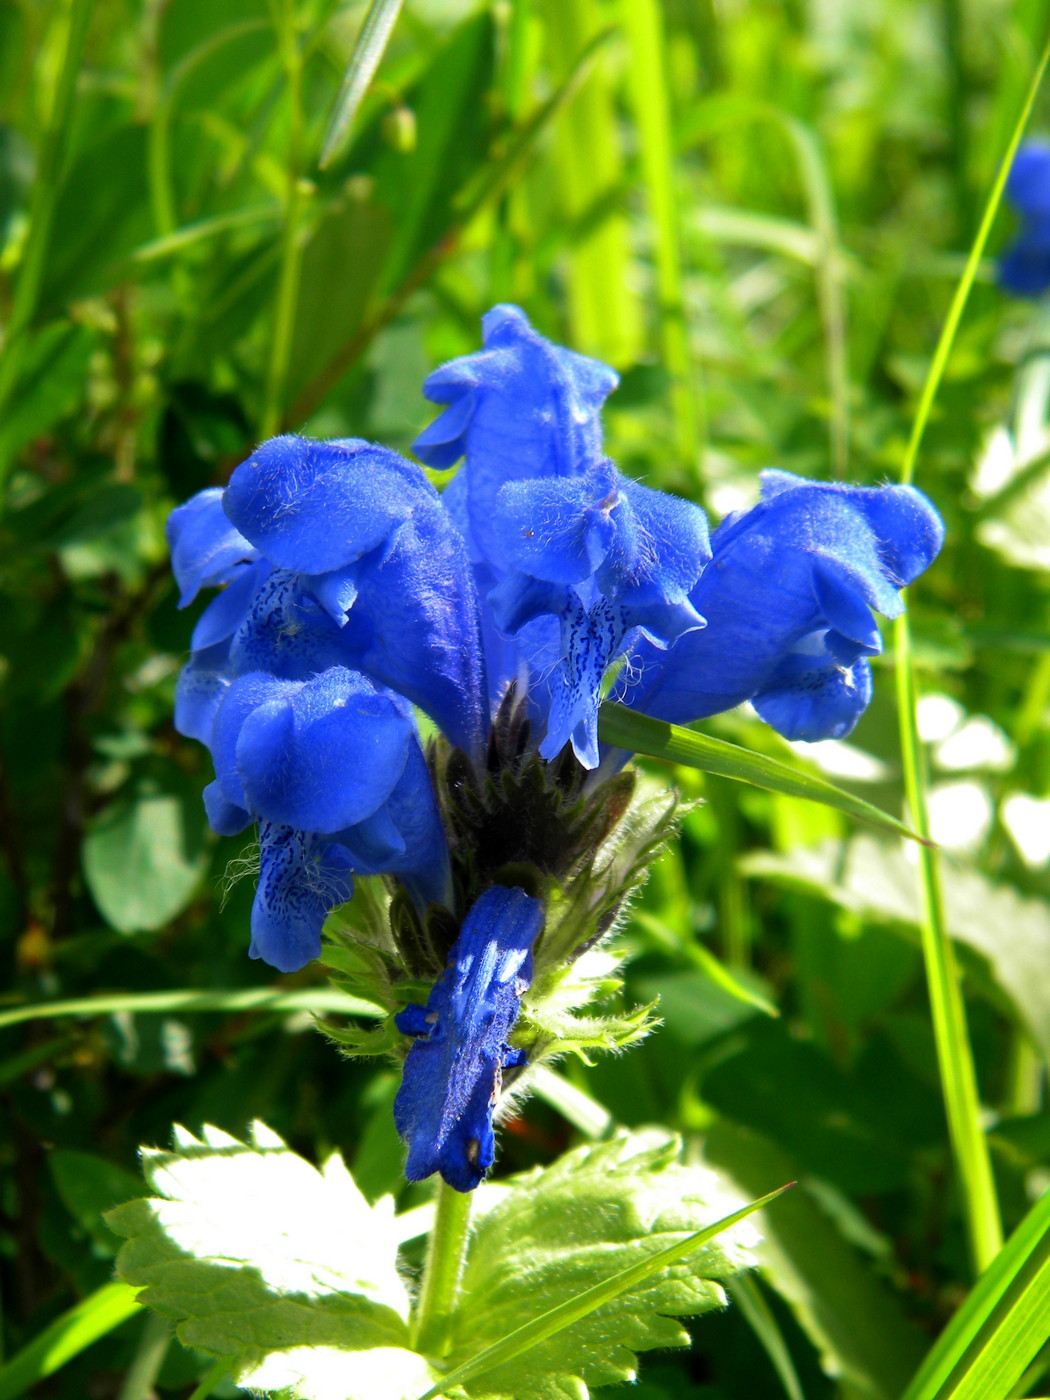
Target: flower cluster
column 1024, row 267
column 354, row 594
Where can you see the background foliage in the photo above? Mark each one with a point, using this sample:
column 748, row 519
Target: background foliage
column 756, row 212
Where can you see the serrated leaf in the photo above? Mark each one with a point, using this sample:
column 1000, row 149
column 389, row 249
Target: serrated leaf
column 641, row 734
column 597, row 1211
column 279, row 1268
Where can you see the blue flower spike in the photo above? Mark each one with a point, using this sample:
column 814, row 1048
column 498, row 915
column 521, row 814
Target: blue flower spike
column 354, row 596
column 1024, row 265
column 454, row 1070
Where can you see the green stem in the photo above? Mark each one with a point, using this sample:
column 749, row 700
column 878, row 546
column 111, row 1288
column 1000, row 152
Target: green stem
column 446, row 1251
column 291, row 250
column 648, row 88
column 954, row 1056
column 53, row 146
column 947, row 1009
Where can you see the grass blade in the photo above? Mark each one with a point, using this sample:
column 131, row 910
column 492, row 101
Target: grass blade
column 315, row 999
column 747, row 1295
column 67, row 1336
column 365, row 59
column 523, row 1338
column 627, row 730
column 647, row 87
column 1004, row 1322
column 948, row 1011
column 46, row 184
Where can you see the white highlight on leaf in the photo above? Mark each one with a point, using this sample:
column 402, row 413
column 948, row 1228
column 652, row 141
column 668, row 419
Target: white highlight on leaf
column 960, row 815
column 1027, row 819
column 938, row 716
column 979, row 743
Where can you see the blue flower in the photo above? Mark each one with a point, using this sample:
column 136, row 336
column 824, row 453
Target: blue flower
column 454, row 1071
column 332, row 770
column 351, row 592
column 788, row 599
column 1024, row 266
column 574, row 560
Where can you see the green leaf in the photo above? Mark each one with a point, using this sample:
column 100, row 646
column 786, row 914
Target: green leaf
column 641, row 734
column 1010, row 932
column 586, row 1240
column 279, row 1268
column 365, row 59
column 986, row 1347
column 315, row 999
column 144, row 859
column 89, row 1186
column 66, row 1337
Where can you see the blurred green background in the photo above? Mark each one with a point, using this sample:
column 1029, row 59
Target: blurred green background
column 757, row 212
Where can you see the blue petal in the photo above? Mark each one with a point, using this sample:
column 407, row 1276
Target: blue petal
column 1028, row 184
column 532, row 410
column 1024, row 267
column 322, row 755
column 415, row 625
column 809, row 562
column 405, row 837
column 313, row 507
column 199, row 692
column 591, row 639
column 813, row 698
column 661, row 548
column 205, row 546
column 301, row 878
column 226, row 613
column 453, row 1073
column 285, row 632
column 223, row 817
column 240, row 699
column 559, row 530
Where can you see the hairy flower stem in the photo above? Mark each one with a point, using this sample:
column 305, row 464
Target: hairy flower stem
column 446, row 1251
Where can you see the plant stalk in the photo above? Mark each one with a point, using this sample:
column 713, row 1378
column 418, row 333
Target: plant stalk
column 446, row 1252
column 291, row 249
column 947, row 1008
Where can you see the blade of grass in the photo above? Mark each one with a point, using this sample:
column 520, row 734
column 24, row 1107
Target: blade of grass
column 604, row 312
column 66, row 1337
column 315, row 999
column 495, row 179
column 1004, row 1322
column 524, row 1338
column 291, row 243
column 625, row 729
column 948, row 1011
column 368, row 53
column 745, row 1292
column 75, row 17
column 647, row 87
column 830, row 284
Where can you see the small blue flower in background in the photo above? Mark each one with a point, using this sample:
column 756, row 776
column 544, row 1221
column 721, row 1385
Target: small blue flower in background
column 353, row 593
column 1024, row 267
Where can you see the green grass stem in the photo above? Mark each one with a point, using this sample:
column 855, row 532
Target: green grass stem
column 291, row 240
column 648, row 89
column 74, row 19
column 948, row 1011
